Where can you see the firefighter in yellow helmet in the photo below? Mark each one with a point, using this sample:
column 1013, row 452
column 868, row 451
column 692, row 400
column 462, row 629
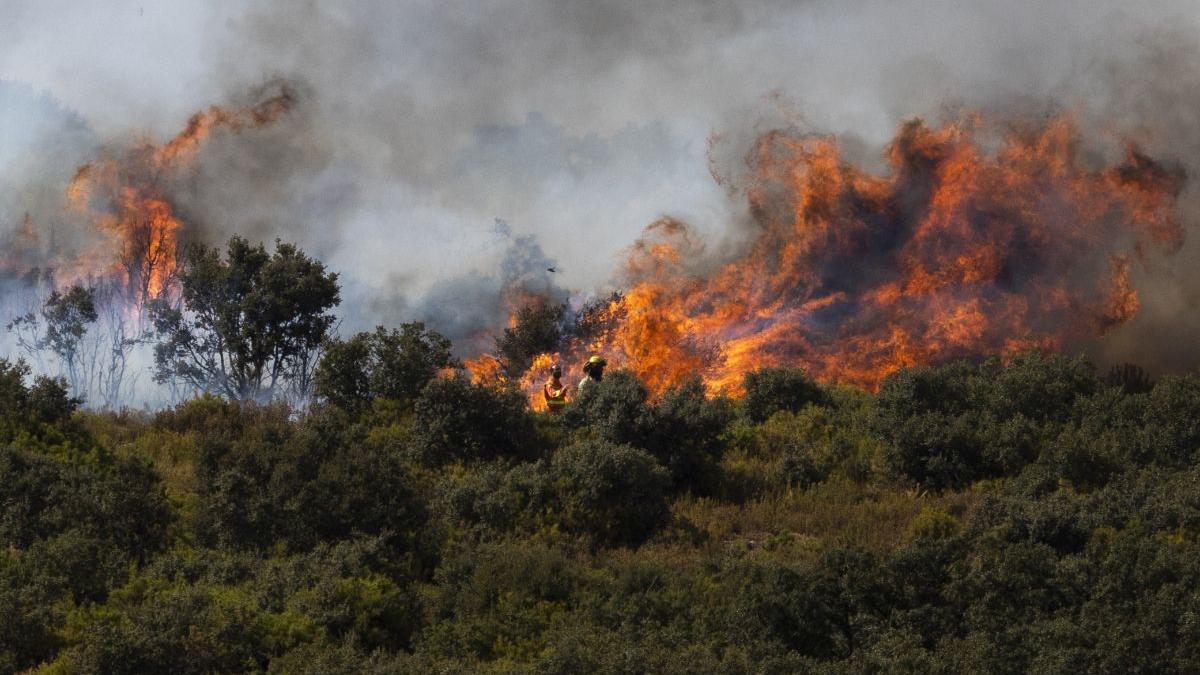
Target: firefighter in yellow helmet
column 555, row 392
column 593, row 372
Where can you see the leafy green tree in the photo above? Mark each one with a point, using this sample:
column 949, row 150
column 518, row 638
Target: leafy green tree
column 614, row 410
column 249, row 325
column 118, row 501
column 494, row 499
column 952, row 424
column 42, row 410
column 816, row 610
column 682, row 430
column 1172, row 421
column 67, row 318
column 537, row 328
column 393, row 364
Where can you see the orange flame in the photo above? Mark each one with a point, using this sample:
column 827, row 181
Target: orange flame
column 121, row 195
column 955, row 252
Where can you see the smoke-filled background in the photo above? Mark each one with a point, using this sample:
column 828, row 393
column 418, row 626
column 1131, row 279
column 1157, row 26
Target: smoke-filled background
column 439, row 153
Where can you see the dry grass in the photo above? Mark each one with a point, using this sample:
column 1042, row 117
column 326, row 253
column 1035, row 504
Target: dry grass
column 834, row 512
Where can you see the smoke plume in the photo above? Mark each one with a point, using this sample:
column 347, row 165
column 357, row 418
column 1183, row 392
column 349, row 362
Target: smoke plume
column 416, row 125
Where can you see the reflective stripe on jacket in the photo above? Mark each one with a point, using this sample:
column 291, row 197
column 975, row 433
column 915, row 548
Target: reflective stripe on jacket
column 555, row 397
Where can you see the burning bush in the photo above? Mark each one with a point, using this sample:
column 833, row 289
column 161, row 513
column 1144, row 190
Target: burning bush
column 958, row 251
column 536, row 328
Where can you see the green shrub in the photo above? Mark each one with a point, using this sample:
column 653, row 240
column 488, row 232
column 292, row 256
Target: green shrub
column 683, row 430
column 949, row 425
column 769, row 390
column 537, row 328
column 300, row 485
column 932, row 523
column 459, row 421
column 614, row 494
column 393, row 364
column 495, row 499
column 615, row 410
column 1172, row 421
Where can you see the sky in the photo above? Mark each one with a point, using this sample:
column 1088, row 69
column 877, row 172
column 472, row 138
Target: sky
column 576, row 123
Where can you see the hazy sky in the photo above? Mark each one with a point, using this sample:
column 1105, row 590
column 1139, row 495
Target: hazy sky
column 577, row 122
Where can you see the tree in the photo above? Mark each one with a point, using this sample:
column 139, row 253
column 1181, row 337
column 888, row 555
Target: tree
column 614, row 410
column 303, row 485
column 537, row 328
column 248, row 325
column 67, row 317
column 393, row 364
column 682, row 430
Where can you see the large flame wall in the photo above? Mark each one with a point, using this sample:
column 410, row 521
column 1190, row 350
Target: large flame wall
column 973, row 242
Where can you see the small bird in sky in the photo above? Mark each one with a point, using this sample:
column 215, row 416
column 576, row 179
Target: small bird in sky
column 551, row 269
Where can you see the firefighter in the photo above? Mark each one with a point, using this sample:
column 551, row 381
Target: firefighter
column 593, row 372
column 555, row 391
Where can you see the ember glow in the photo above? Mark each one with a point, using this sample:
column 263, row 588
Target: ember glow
column 973, row 242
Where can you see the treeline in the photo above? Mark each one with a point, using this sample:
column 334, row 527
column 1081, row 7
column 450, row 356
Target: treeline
column 244, row 323
column 984, row 517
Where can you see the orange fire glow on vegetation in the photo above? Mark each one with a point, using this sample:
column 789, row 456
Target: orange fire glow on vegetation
column 956, row 251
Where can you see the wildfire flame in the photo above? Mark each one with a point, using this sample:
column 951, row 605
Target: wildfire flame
column 956, row 251
column 122, row 197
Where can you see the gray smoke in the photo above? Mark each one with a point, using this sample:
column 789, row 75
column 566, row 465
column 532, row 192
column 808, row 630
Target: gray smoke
column 577, row 122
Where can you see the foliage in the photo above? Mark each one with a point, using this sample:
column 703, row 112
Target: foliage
column 971, row 517
column 537, row 328
column 953, row 424
column 67, row 318
column 682, row 430
column 769, row 390
column 391, row 364
column 457, row 420
column 298, row 485
column 249, row 325
column 615, row 493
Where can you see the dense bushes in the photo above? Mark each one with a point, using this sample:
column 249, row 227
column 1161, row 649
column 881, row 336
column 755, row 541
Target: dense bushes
column 299, row 485
column 613, row 493
column 395, row 364
column 457, row 420
column 537, row 328
column 683, row 430
column 983, row 517
column 771, row 390
column 951, row 425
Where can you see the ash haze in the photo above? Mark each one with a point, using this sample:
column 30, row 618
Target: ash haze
column 576, row 123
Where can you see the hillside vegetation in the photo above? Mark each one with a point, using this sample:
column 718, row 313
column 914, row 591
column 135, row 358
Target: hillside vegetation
column 988, row 517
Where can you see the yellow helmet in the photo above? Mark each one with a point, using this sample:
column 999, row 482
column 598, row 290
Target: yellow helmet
column 594, row 362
